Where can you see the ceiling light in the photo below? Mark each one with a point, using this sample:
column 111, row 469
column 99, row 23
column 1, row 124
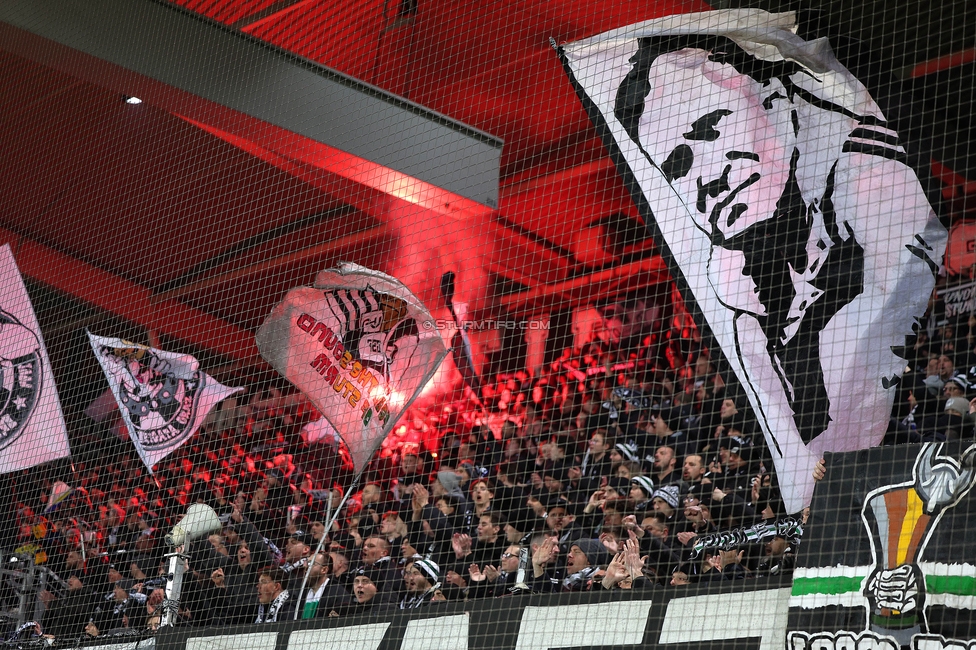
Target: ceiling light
column 132, row 100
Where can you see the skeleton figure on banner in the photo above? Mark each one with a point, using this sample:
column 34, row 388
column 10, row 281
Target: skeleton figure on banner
column 374, row 329
column 153, row 397
column 800, row 245
column 354, row 344
column 895, row 589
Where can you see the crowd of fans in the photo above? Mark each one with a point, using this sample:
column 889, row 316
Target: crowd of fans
column 598, row 472
column 938, row 393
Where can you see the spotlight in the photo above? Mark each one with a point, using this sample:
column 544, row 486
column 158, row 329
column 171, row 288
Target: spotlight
column 132, row 100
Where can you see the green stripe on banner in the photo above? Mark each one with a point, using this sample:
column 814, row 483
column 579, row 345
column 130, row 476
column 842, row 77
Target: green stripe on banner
column 830, row 585
column 955, row 585
column 934, row 584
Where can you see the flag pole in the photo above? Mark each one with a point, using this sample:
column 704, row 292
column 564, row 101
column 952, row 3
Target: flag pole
column 331, row 518
column 355, row 481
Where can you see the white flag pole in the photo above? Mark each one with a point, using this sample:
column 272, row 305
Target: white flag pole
column 331, row 517
column 355, row 481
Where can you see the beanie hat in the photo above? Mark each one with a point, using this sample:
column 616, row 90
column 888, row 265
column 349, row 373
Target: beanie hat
column 428, row 568
column 375, row 573
column 554, row 502
column 451, row 483
column 645, row 483
column 468, row 466
column 959, row 380
column 668, row 494
column 957, row 405
column 594, row 550
column 627, row 450
column 522, row 519
column 742, row 446
column 619, row 485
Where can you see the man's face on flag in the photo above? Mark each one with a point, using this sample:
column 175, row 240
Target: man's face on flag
column 706, row 126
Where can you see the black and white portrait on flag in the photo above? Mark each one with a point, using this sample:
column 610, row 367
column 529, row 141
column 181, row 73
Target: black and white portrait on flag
column 787, row 208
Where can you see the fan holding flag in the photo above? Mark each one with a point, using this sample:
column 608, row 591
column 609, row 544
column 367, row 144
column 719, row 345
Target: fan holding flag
column 361, row 346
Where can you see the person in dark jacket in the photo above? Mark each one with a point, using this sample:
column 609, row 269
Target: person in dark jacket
column 495, row 580
column 232, row 594
column 274, row 601
column 422, row 579
column 68, row 615
column 366, row 593
column 321, row 594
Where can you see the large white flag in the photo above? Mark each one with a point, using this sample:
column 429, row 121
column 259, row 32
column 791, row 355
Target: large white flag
column 360, row 345
column 32, row 429
column 164, row 397
column 784, row 206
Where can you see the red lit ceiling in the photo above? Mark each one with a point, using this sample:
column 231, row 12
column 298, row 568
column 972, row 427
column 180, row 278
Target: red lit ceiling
column 103, row 200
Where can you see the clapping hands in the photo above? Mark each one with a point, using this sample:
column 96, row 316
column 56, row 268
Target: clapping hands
column 461, row 543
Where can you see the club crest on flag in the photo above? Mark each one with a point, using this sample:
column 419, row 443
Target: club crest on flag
column 163, row 397
column 21, row 377
column 159, row 406
column 32, row 429
column 903, row 578
column 359, row 345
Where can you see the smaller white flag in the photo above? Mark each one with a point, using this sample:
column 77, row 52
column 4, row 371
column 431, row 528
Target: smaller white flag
column 360, row 345
column 32, row 429
column 164, row 397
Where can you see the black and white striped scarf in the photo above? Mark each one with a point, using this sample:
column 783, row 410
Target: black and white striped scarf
column 577, row 581
column 270, row 614
column 413, row 602
column 288, row 567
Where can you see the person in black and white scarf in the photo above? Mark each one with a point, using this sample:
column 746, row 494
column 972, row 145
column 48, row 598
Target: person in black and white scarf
column 422, row 579
column 274, row 601
column 120, row 608
column 296, row 559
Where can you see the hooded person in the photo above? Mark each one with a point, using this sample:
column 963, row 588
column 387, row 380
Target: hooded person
column 448, row 483
column 422, row 579
column 585, row 557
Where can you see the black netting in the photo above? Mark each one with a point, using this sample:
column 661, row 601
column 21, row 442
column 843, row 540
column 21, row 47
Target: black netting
column 430, row 324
